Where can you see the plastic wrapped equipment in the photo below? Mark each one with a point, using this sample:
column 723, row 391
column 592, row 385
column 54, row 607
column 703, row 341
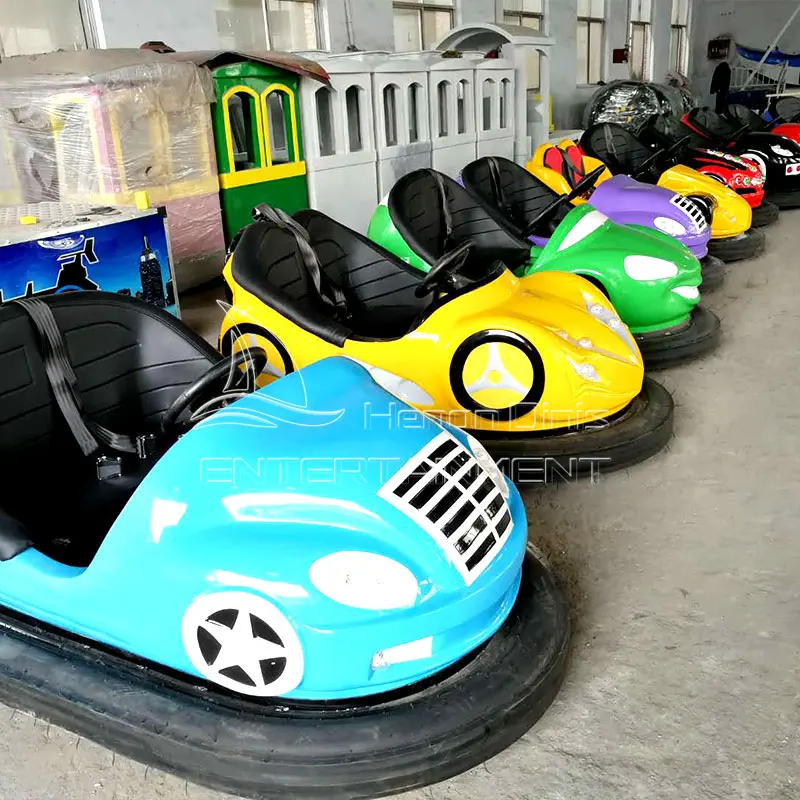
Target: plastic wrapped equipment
column 632, row 103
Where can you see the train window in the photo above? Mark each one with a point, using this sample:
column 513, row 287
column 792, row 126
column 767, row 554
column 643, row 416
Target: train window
column 488, row 103
column 505, row 99
column 443, row 101
column 327, row 137
column 390, row 114
column 352, row 101
column 243, row 115
column 462, row 105
column 279, row 121
column 414, row 91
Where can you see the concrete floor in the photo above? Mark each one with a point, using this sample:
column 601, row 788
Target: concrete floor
column 684, row 578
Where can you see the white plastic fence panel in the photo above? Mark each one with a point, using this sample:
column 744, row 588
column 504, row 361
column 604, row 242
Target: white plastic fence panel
column 339, row 141
column 402, row 120
column 495, row 108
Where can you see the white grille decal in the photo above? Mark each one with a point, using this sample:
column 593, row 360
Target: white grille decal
column 445, row 491
column 690, row 208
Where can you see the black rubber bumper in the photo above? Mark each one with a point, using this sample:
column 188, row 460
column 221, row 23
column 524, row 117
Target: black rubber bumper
column 672, row 346
column 632, row 436
column 785, row 199
column 713, row 273
column 749, row 244
column 339, row 750
column 765, row 214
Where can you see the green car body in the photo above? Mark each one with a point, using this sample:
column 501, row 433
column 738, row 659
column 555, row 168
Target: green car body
column 651, row 278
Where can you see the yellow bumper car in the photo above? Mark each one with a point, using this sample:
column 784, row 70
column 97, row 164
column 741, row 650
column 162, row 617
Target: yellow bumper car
column 543, row 371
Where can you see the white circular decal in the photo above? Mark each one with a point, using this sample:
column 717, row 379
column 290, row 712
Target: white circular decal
column 242, row 642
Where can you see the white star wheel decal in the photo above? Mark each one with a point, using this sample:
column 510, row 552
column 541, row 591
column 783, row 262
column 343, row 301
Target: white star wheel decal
column 242, row 642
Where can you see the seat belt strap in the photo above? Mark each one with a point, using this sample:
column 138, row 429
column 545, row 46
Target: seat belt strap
column 326, row 290
column 64, row 383
column 497, row 185
column 444, row 206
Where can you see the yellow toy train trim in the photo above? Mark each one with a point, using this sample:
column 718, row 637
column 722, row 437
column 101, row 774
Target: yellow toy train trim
column 226, row 115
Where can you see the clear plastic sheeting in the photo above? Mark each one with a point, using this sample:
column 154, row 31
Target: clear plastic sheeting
column 116, row 128
column 631, row 103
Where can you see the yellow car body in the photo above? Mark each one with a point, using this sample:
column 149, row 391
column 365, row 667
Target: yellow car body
column 472, row 353
column 732, row 213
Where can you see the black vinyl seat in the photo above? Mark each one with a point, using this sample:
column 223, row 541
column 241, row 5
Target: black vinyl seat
column 433, row 214
column 619, row 149
column 740, row 115
column 713, row 125
column 512, row 191
column 131, row 361
column 377, row 289
column 786, row 108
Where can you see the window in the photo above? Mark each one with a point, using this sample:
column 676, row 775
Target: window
column 39, row 26
column 390, row 114
column 279, row 121
column 505, row 99
column 679, row 37
column 267, row 24
column 527, row 14
column 639, row 57
column 327, row 136
column 590, row 30
column 487, row 94
column 413, row 111
column 352, row 101
column 443, row 101
column 462, row 105
column 243, row 116
column 420, row 25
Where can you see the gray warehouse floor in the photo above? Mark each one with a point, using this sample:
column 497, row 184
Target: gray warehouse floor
column 684, row 578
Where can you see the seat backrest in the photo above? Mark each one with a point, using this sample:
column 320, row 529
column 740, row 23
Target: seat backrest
column 267, row 262
column 616, row 146
column 131, row 361
column 515, row 193
column 742, row 115
column 707, row 121
column 378, row 287
column 416, row 207
column 787, row 108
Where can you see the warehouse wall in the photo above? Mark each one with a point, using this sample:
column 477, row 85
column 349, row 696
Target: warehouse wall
column 750, row 22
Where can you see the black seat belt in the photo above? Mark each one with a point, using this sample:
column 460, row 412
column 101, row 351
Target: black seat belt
column 497, row 186
column 64, row 383
column 329, row 294
column 444, row 207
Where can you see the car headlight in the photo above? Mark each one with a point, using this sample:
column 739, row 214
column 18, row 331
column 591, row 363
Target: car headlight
column 364, row 580
column 488, row 465
column 586, row 371
column 781, row 151
column 649, row 268
column 670, row 226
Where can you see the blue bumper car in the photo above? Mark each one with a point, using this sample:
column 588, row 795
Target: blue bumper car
column 308, row 590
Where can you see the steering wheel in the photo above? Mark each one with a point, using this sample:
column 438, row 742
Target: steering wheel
column 660, row 155
column 447, row 266
column 581, row 187
column 223, row 376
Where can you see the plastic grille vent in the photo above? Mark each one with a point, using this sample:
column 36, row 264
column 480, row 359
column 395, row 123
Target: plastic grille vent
column 692, row 209
column 445, row 491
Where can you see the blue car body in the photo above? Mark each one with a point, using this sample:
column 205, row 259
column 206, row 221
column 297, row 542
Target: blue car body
column 266, row 505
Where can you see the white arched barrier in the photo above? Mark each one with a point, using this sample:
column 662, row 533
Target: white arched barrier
column 494, row 101
column 531, row 120
column 402, row 124
column 340, row 152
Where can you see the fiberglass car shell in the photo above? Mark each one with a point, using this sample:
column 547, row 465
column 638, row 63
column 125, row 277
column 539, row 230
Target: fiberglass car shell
column 519, row 363
column 244, row 552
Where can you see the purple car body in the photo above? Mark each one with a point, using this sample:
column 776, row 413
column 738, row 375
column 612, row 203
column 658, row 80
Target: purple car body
column 630, row 202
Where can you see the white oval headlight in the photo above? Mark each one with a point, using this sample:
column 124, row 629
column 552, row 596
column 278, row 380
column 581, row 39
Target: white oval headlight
column 649, row 268
column 670, row 226
column 364, row 580
column 781, row 151
column 488, row 465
